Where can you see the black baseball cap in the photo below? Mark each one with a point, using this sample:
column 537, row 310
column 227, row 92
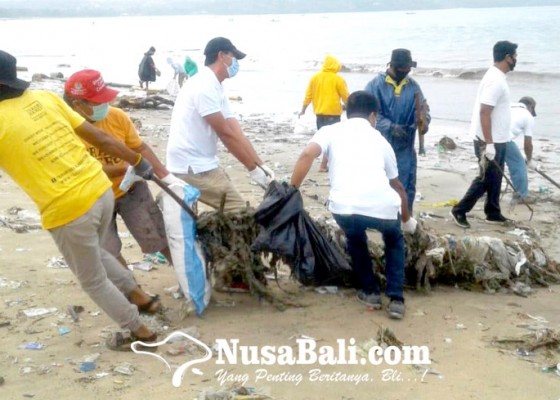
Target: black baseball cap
column 402, row 58
column 8, row 72
column 222, row 44
column 529, row 102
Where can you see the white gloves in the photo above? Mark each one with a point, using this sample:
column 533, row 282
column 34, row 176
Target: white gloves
column 171, row 179
column 261, row 177
column 410, row 225
column 490, row 151
column 129, row 178
column 268, row 172
column 532, row 166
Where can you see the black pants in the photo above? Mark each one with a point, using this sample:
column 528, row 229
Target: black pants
column 489, row 182
column 324, row 120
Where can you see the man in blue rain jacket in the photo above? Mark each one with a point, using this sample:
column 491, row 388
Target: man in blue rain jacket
column 402, row 110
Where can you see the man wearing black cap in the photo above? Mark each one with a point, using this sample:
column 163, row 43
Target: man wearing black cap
column 523, row 115
column 41, row 150
column 490, row 129
column 200, row 117
column 402, row 110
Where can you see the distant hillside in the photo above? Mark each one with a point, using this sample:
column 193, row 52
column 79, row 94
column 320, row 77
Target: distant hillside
column 99, row 8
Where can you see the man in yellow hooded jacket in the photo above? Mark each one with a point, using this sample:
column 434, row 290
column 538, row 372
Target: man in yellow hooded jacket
column 327, row 91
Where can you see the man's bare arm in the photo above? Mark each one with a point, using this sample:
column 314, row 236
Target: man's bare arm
column 235, row 141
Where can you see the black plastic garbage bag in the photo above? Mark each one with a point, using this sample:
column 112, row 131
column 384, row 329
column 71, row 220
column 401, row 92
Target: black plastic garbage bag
column 289, row 232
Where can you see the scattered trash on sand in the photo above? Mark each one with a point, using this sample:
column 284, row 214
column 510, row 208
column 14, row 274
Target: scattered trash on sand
column 57, row 262
column 124, row 369
column 238, row 393
column 31, row 346
column 541, row 347
column 38, row 312
column 141, row 266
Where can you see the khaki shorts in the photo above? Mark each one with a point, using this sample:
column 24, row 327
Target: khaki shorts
column 143, row 219
column 212, row 185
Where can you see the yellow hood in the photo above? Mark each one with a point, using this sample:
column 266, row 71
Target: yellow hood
column 331, row 64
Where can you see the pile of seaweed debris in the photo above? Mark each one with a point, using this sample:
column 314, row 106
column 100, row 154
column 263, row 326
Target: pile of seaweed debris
column 486, row 262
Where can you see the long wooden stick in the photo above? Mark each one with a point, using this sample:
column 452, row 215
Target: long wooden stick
column 179, row 200
column 549, row 178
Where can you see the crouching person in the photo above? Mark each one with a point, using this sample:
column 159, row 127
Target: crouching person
column 365, row 193
column 88, row 95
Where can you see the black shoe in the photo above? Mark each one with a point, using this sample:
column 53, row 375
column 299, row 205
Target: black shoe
column 499, row 220
column 460, row 220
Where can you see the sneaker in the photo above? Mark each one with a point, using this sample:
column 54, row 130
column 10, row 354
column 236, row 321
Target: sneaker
column 371, row 300
column 395, row 309
column 500, row 220
column 460, row 220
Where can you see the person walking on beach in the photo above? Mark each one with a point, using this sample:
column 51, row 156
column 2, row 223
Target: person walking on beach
column 201, row 116
column 327, row 91
column 400, row 97
column 41, row 150
column 88, row 95
column 378, row 202
column 147, row 70
column 522, row 122
column 490, row 127
column 179, row 71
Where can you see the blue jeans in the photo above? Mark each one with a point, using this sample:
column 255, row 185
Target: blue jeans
column 517, row 169
column 354, row 227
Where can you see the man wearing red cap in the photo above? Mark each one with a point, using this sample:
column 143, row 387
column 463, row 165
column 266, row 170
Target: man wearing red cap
column 86, row 92
column 201, row 116
column 40, row 148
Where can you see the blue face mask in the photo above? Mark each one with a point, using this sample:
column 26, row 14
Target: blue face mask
column 99, row 112
column 233, row 69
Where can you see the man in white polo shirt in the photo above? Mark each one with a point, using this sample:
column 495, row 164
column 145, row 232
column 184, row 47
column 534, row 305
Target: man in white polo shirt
column 365, row 194
column 490, row 127
column 200, row 117
column 522, row 122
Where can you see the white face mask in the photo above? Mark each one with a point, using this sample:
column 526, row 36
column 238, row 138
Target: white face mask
column 233, row 69
column 100, row 112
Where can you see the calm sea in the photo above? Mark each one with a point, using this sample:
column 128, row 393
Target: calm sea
column 453, row 48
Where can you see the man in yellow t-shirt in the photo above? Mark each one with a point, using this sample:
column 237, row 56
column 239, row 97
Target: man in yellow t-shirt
column 86, row 92
column 41, row 150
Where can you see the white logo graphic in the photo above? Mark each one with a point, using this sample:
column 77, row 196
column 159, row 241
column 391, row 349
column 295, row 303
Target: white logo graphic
column 178, row 374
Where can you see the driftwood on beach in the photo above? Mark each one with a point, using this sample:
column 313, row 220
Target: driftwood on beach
column 150, row 102
column 469, row 261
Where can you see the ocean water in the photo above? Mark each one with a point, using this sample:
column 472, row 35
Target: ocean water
column 453, row 49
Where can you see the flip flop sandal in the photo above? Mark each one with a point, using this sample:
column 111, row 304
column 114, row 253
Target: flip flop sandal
column 147, row 308
column 121, row 341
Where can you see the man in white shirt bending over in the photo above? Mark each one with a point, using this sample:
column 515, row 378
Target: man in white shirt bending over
column 200, row 117
column 522, row 122
column 365, row 194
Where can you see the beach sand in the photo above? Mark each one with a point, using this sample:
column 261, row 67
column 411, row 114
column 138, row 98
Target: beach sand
column 455, row 324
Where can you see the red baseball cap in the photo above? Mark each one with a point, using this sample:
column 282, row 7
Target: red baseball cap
column 88, row 84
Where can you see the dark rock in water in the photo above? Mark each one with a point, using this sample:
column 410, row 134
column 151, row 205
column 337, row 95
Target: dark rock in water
column 344, row 68
column 437, row 74
column 39, row 77
column 22, row 69
column 447, row 143
column 467, row 75
column 56, row 75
